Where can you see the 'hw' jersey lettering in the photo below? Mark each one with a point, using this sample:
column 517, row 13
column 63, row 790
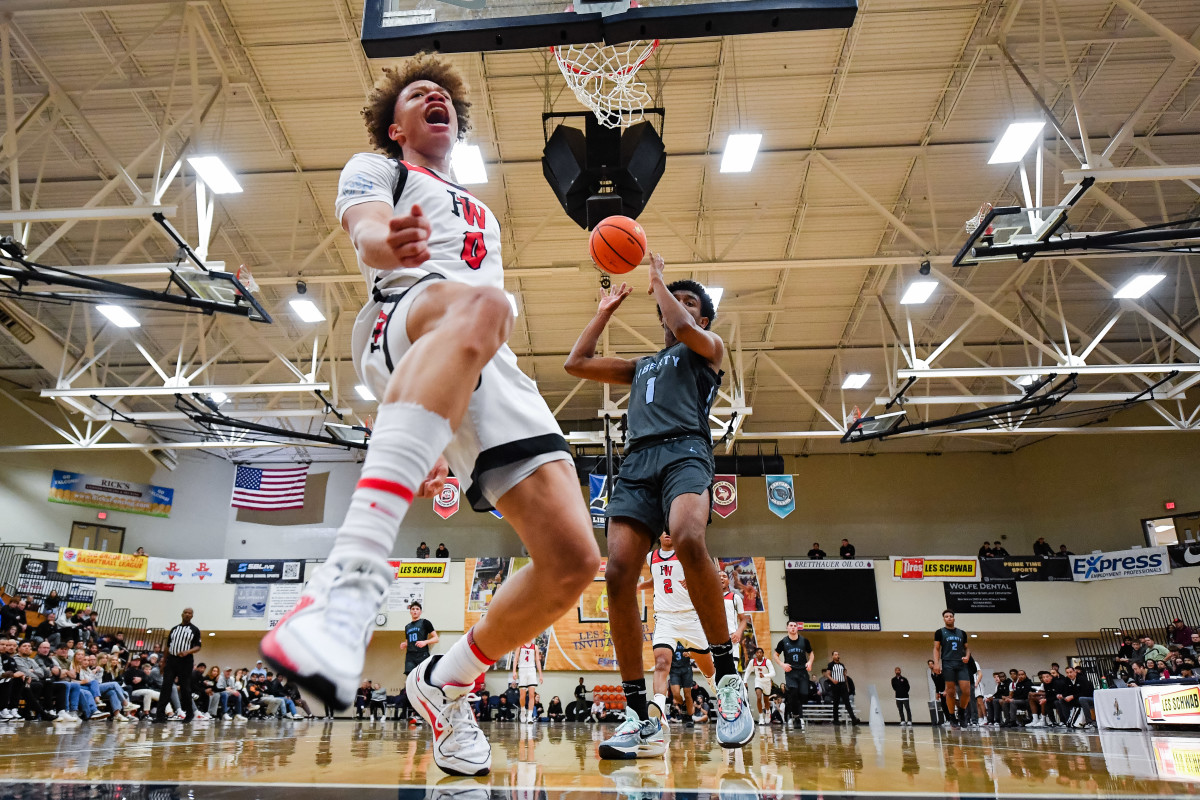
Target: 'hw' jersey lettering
column 465, row 242
column 672, row 393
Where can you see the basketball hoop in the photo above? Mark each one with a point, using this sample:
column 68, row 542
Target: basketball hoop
column 974, row 222
column 604, row 78
column 246, row 279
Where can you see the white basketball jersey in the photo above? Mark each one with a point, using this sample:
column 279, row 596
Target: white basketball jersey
column 734, row 608
column 527, row 657
column 465, row 243
column 669, row 593
column 762, row 670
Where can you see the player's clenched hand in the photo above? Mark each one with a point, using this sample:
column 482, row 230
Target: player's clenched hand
column 408, row 237
column 435, row 480
column 610, row 299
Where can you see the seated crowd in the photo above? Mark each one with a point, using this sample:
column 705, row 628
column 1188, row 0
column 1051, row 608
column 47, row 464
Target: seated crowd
column 1141, row 660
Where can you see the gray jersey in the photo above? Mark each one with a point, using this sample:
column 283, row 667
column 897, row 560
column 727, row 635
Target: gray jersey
column 672, row 393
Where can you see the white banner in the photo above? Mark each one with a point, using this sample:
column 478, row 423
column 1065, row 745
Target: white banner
column 283, row 597
column 829, row 563
column 1120, row 564
column 185, row 570
column 401, row 595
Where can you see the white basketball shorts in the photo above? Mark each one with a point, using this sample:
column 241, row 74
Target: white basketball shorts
column 679, row 626
column 527, row 677
column 508, row 430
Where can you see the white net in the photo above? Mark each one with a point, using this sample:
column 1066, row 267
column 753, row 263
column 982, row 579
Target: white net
column 604, row 78
column 974, row 221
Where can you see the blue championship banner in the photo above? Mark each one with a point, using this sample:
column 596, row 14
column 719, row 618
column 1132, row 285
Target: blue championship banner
column 598, row 502
column 781, row 495
column 264, row 571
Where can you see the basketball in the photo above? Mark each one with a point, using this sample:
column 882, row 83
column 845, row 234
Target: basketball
column 617, row 245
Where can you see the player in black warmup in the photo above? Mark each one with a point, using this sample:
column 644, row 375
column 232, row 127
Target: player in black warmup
column 795, row 655
column 950, row 656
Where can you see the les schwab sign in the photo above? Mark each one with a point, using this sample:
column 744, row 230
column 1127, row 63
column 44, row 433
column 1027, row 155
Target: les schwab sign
column 937, row 568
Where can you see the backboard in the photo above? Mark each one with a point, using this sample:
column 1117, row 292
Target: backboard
column 1015, row 233
column 398, row 28
column 222, row 288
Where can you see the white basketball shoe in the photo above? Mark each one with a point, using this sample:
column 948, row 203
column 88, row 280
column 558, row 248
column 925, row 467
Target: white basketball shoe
column 459, row 746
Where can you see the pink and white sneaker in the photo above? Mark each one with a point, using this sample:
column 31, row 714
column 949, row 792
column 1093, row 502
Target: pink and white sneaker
column 322, row 642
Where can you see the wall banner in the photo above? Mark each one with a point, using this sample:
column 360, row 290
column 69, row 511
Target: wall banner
column 94, row 491
column 1172, row 705
column 1026, row 568
column 598, row 498
column 781, row 495
column 829, row 563
column 266, row 571
column 186, row 570
column 283, row 597
column 1184, row 555
column 101, row 564
column 935, row 568
column 982, row 597
column 430, row 570
column 148, row 585
column 250, row 600
column 724, row 495
column 402, row 594
column 445, row 505
column 1121, row 564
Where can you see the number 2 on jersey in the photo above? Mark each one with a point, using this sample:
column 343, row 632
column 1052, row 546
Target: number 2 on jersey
column 474, row 249
column 667, row 587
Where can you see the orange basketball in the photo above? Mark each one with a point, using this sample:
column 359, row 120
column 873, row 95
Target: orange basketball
column 617, row 245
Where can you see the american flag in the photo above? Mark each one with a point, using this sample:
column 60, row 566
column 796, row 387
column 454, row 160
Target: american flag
column 269, row 489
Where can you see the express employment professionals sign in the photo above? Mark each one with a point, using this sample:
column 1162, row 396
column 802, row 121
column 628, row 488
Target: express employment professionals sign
column 1120, row 564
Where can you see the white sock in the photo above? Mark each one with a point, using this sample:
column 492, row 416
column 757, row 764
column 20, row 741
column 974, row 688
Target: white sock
column 660, row 700
column 405, row 444
column 462, row 664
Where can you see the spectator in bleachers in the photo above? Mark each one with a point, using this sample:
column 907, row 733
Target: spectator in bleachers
column 1179, row 633
column 998, row 550
column 986, row 551
column 1063, row 552
column 230, row 686
column 1020, row 690
column 93, row 680
column 816, row 553
column 504, row 711
column 141, row 551
column 1154, row 651
column 15, row 614
column 846, row 550
column 1042, row 548
column 1126, row 655
column 47, row 630
column 539, row 711
column 442, row 551
column 422, row 550
column 53, row 602
column 39, row 680
column 555, row 710
column 1192, row 649
column 483, row 708
column 292, row 692
column 85, row 624
column 277, row 687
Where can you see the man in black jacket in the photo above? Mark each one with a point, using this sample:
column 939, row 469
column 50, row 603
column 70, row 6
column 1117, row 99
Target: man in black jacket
column 1042, row 548
column 1018, row 698
column 901, row 687
column 995, row 703
column 1075, row 701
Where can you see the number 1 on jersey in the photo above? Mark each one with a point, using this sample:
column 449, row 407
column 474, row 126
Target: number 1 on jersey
column 650, row 389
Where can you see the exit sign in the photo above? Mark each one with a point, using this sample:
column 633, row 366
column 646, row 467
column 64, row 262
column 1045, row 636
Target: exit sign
column 1169, row 505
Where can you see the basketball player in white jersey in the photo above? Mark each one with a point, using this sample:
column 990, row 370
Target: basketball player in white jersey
column 527, row 672
column 430, row 344
column 759, row 672
column 736, row 616
column 675, row 620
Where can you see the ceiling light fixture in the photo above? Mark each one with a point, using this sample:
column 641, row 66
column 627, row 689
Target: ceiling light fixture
column 856, row 380
column 1137, row 286
column 364, row 392
column 215, row 174
column 918, row 292
column 218, row 397
column 740, row 152
column 466, row 161
column 119, row 316
column 307, row 310
column 715, row 293
column 512, row 301
column 1027, row 380
column 1015, row 142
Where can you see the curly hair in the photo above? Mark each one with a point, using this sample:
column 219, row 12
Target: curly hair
column 380, row 111
column 707, row 309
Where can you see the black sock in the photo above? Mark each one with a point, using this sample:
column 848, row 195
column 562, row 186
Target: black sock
column 722, row 656
column 635, row 697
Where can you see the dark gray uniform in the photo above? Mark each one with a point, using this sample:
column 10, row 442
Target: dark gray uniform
column 668, row 444
column 681, row 669
column 954, row 647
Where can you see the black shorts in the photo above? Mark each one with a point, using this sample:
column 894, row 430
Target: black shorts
column 412, row 661
column 682, row 679
column 955, row 671
column 652, row 477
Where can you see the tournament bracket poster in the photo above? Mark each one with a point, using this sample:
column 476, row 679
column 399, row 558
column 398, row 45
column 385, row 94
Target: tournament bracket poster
column 748, row 577
column 578, row 640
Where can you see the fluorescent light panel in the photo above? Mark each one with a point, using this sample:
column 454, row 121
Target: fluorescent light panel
column 716, row 293
column 918, row 292
column 119, row 316
column 512, row 301
column 1137, row 286
column 1015, row 142
column 466, row 160
column 856, row 380
column 307, row 310
column 219, row 397
column 364, row 392
column 740, row 151
column 215, row 174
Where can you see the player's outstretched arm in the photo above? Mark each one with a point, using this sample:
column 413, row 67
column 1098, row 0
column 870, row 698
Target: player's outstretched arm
column 701, row 342
column 384, row 241
column 583, row 361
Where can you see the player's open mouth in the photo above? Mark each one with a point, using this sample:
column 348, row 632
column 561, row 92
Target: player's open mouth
column 437, row 114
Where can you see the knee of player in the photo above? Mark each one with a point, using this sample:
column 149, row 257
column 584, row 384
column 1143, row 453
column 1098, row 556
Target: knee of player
column 620, row 574
column 689, row 544
column 483, row 315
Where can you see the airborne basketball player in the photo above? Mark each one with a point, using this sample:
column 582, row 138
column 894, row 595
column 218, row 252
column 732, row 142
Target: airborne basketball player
column 430, row 344
column 665, row 484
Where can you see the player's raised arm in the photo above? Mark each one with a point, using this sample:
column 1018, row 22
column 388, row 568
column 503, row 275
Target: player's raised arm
column 583, row 361
column 680, row 321
column 384, row 241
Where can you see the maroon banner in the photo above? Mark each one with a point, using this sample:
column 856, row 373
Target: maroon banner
column 724, row 495
column 445, row 505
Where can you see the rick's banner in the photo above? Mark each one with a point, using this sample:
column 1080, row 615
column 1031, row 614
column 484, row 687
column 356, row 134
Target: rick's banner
column 101, row 564
column 94, row 491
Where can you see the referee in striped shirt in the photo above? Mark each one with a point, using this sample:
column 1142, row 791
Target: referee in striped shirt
column 182, row 643
column 841, row 690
